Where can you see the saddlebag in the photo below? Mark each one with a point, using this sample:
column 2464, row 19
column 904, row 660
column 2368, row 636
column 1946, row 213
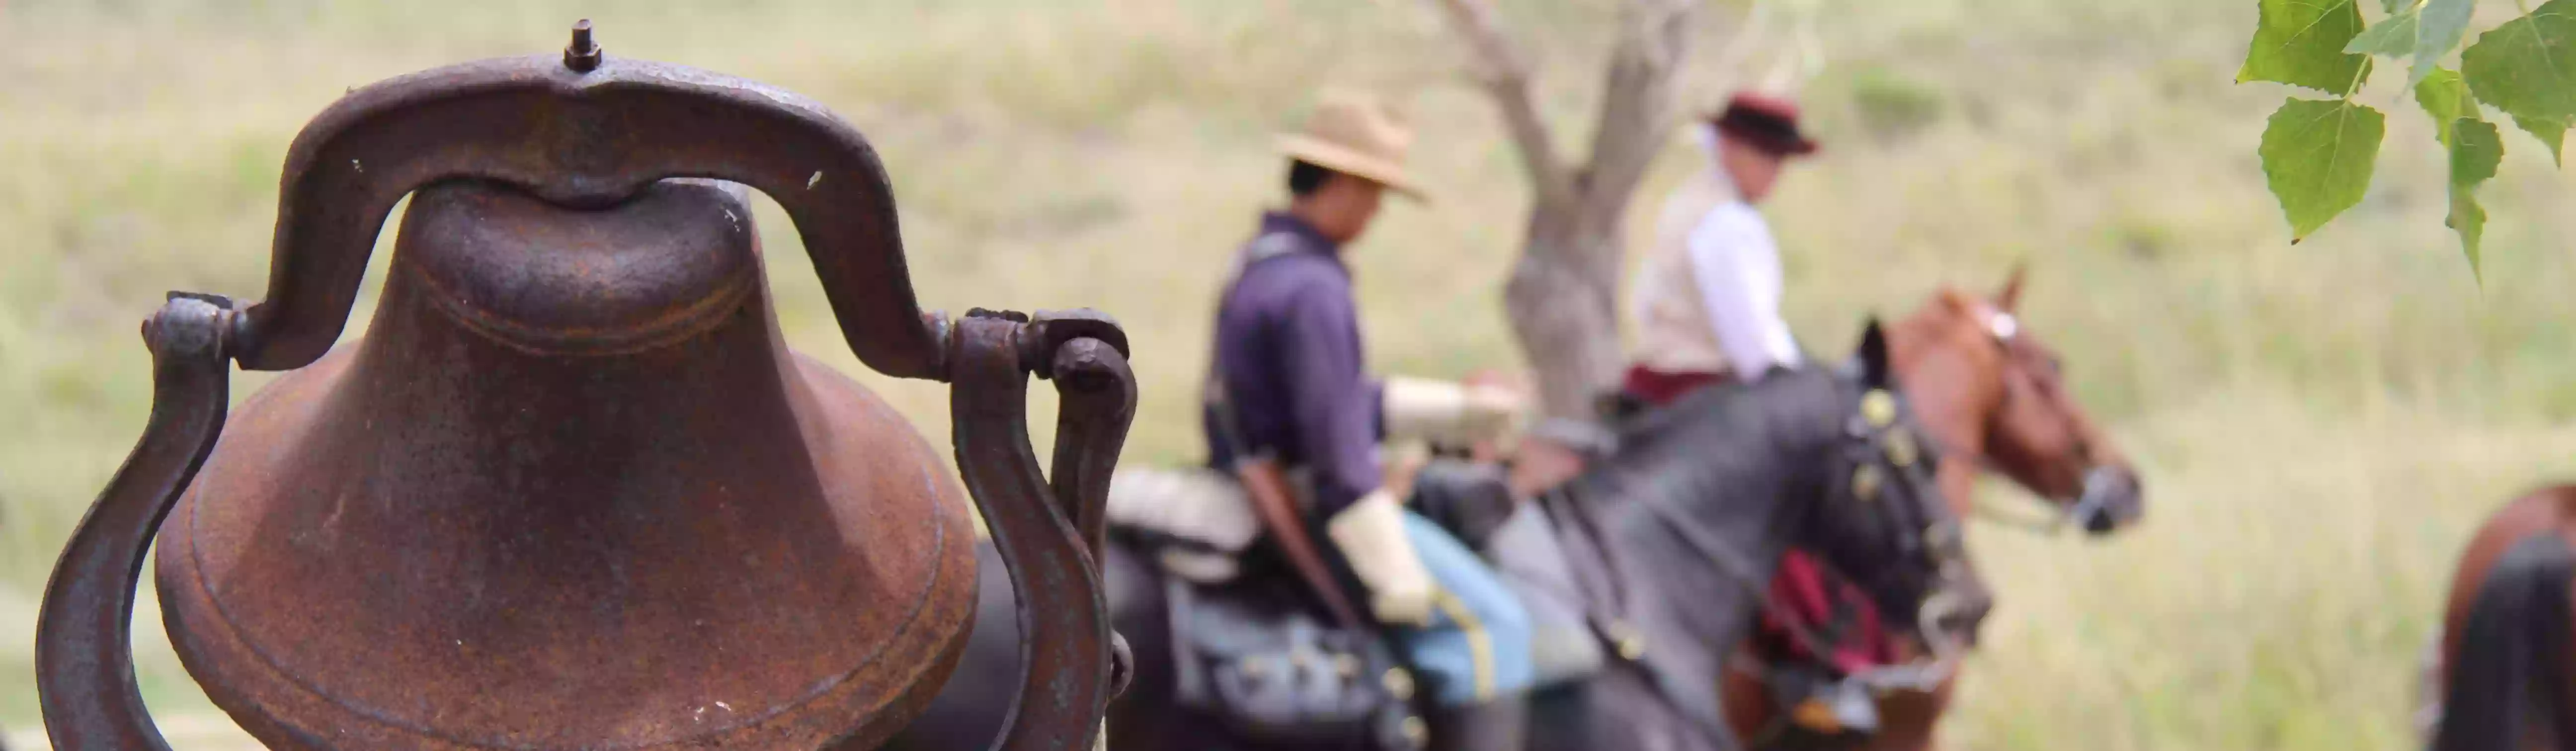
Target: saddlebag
column 1258, row 657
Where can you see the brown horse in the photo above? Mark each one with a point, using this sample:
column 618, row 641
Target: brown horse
column 2504, row 668
column 1991, row 394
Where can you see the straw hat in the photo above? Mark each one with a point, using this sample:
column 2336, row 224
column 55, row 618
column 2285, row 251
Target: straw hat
column 1356, row 134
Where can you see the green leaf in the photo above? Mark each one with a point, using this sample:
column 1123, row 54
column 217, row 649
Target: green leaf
column 2300, row 42
column 2317, row 157
column 2551, row 131
column 2470, row 221
column 2395, row 7
column 2527, row 66
column 2445, row 22
column 2393, row 36
column 2423, row 33
column 2444, row 96
column 2475, row 151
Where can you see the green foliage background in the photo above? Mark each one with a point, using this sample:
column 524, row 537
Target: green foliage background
column 2320, row 423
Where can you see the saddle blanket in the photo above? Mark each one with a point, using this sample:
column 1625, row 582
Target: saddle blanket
column 1204, row 511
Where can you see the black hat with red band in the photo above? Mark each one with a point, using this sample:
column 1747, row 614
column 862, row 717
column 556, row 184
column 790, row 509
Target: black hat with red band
column 1764, row 122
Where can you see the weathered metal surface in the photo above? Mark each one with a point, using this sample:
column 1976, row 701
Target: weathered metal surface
column 1064, row 619
column 586, row 139
column 583, row 499
column 1084, row 352
column 572, row 490
column 84, row 652
column 1097, row 403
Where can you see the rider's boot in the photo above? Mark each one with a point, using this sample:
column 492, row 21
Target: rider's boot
column 1498, row 724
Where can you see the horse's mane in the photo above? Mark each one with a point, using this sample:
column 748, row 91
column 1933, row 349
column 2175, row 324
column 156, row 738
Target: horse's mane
column 2508, row 681
column 1949, row 313
column 1721, row 440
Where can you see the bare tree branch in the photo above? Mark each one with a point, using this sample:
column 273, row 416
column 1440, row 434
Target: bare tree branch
column 1563, row 293
column 1698, row 83
column 1505, row 71
column 1807, row 56
column 1636, row 105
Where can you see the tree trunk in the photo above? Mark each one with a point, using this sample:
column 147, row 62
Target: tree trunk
column 1563, row 298
column 1563, row 304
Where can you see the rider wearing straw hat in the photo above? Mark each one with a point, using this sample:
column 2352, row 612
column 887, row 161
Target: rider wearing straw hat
column 1290, row 383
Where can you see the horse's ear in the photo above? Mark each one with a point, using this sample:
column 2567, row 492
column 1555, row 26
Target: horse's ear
column 1875, row 369
column 2010, row 298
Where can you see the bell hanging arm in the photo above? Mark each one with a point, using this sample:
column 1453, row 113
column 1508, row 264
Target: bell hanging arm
column 1071, row 662
column 1084, row 352
column 84, row 648
column 582, row 129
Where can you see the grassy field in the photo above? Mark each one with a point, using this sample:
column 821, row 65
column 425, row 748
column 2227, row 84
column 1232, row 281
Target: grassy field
column 2319, row 423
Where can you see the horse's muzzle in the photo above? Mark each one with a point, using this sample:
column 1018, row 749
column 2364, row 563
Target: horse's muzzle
column 2113, row 499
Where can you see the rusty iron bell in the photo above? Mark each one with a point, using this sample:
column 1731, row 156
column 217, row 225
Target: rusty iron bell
column 571, row 490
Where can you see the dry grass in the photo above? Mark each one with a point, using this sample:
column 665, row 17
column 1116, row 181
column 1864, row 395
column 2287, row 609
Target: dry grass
column 2321, row 422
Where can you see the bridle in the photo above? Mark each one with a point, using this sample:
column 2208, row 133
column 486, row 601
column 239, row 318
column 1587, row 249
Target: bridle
column 1868, row 428
column 2091, row 502
column 1875, row 430
column 2092, row 499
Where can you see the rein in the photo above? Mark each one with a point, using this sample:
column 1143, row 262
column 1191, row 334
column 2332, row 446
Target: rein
column 1922, row 675
column 2005, row 329
column 2050, row 521
column 1602, row 584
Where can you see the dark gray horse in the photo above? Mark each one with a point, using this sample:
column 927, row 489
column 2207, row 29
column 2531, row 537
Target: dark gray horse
column 1670, row 540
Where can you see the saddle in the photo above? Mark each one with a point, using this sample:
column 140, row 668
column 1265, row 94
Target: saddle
column 1202, row 521
column 1197, row 520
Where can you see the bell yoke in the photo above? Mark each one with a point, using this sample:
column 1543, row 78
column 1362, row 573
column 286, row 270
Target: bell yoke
column 572, row 490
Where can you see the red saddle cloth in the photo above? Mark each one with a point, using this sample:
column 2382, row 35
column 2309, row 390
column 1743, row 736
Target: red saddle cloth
column 1804, row 595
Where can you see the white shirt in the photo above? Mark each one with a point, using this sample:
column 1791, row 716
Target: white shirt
column 1708, row 295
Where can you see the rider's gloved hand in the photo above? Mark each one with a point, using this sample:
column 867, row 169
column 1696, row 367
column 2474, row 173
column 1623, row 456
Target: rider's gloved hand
column 1371, row 536
column 1491, row 410
column 1448, row 412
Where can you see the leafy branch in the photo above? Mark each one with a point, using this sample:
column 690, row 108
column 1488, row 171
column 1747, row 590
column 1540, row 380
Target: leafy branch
column 2318, row 153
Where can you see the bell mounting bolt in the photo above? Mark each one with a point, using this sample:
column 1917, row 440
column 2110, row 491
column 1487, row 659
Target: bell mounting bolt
column 583, row 54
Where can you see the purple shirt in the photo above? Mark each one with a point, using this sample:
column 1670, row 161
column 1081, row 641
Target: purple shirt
column 1288, row 351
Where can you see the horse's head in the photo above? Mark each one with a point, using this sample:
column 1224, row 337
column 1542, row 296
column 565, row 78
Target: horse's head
column 1994, row 395
column 1884, row 520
